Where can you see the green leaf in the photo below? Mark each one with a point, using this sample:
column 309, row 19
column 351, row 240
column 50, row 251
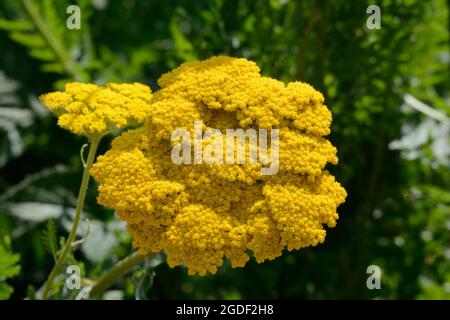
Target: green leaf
column 145, row 282
column 183, row 48
column 5, row 291
column 33, row 211
column 8, row 267
column 15, row 25
column 49, row 238
column 27, row 39
column 14, row 120
column 52, row 67
column 45, row 35
column 42, row 54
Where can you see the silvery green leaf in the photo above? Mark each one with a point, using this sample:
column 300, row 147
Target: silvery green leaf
column 33, row 211
column 113, row 295
column 155, row 260
column 9, row 99
column 21, row 117
column 99, row 243
column 39, row 110
column 7, row 85
column 14, row 138
column 144, row 284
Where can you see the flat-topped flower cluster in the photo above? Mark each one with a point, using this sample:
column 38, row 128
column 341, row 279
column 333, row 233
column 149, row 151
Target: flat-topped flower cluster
column 201, row 213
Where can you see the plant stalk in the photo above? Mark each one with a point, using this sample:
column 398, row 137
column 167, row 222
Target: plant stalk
column 80, row 202
column 119, row 270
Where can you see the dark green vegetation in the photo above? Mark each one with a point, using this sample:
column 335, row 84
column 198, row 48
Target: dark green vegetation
column 397, row 213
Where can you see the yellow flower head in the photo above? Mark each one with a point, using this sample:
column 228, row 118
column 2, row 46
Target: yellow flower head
column 201, row 213
column 91, row 110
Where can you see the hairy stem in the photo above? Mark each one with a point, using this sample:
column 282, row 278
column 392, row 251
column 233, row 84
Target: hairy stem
column 119, row 270
column 80, row 202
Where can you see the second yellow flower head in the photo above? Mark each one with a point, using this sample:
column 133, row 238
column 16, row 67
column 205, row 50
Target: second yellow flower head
column 91, row 110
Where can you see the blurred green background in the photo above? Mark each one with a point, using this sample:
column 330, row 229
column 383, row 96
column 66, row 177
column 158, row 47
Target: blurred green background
column 388, row 90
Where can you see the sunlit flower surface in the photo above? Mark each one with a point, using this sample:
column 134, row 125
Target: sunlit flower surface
column 91, row 110
column 200, row 214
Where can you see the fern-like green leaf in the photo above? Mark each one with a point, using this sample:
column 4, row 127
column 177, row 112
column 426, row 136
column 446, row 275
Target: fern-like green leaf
column 8, row 267
column 27, row 39
column 15, row 25
column 42, row 54
column 53, row 67
column 49, row 238
column 43, row 34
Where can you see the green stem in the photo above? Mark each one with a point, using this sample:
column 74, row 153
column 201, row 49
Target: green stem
column 80, row 202
column 118, row 271
column 53, row 44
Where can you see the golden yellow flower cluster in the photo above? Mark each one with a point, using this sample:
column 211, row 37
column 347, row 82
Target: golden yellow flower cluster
column 200, row 213
column 91, row 110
